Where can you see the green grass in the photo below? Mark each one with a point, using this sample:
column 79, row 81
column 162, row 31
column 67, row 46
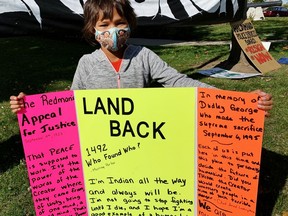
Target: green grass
column 35, row 64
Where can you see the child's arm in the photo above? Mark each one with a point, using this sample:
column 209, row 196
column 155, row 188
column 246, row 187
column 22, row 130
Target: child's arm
column 167, row 75
column 16, row 102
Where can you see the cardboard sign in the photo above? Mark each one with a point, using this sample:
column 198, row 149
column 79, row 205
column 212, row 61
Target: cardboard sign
column 138, row 151
column 252, row 46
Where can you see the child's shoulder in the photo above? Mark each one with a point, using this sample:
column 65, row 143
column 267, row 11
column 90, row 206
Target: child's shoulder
column 96, row 55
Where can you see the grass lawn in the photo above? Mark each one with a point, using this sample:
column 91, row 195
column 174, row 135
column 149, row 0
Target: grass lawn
column 35, row 64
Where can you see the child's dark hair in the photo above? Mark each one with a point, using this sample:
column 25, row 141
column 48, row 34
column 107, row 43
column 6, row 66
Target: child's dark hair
column 92, row 9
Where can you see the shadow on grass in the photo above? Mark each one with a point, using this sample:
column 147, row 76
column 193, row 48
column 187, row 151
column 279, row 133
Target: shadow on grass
column 11, row 152
column 190, row 33
column 30, row 64
column 273, row 175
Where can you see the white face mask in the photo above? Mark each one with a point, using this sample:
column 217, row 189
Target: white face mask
column 112, row 39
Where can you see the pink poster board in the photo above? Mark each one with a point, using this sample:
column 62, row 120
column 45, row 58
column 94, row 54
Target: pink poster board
column 49, row 131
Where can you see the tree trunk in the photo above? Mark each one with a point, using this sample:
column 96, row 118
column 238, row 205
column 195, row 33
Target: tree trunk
column 237, row 60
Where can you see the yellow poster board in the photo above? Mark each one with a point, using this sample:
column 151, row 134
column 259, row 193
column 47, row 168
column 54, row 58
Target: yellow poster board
column 138, row 156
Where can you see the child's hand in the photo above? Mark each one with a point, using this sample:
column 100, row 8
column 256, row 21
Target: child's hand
column 265, row 101
column 16, row 102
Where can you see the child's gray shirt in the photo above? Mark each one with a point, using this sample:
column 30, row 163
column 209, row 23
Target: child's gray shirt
column 138, row 68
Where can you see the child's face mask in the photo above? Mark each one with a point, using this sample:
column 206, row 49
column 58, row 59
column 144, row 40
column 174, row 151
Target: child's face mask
column 113, row 39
